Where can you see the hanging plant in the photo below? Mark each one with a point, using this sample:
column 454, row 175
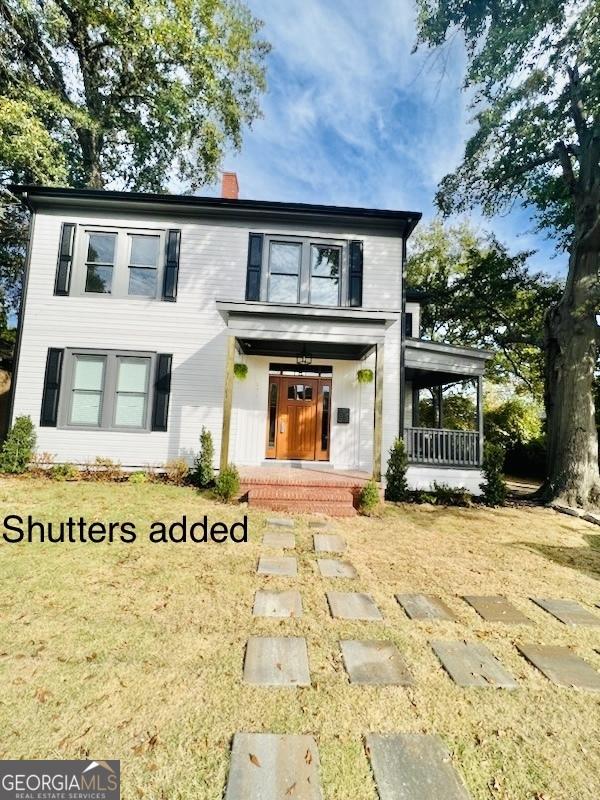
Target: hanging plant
column 364, row 376
column 240, row 371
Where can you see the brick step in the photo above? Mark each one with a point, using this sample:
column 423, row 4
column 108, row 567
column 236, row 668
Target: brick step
column 340, row 509
column 328, row 494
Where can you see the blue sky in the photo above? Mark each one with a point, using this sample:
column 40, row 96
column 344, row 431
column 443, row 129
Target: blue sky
column 353, row 117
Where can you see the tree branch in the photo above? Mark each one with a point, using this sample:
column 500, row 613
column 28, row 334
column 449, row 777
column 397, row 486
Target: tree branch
column 564, row 158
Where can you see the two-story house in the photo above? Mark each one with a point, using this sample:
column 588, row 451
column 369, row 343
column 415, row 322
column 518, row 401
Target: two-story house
column 137, row 307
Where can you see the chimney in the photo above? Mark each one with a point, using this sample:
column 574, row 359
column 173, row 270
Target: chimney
column 230, row 188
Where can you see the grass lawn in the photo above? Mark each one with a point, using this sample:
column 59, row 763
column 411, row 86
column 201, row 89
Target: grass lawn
column 135, row 651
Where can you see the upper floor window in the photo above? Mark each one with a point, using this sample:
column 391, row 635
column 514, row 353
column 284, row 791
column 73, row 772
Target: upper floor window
column 304, row 271
column 325, row 274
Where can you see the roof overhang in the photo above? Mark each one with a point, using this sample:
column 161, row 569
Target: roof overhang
column 400, row 223
column 272, row 329
column 431, row 363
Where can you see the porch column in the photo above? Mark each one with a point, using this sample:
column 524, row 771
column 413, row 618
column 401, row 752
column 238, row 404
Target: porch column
column 377, row 430
column 227, row 401
column 480, row 416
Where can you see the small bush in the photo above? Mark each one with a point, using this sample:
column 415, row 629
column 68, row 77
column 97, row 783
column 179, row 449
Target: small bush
column 138, row 478
column 18, row 448
column 368, row 499
column 494, row 487
column 39, row 466
column 422, row 497
column 449, row 496
column 203, row 473
column 104, row 470
column 396, row 488
column 64, row 472
column 177, row 471
column 227, row 484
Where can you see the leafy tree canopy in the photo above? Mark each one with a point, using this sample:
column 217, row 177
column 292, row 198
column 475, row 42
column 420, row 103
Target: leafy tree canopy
column 479, row 295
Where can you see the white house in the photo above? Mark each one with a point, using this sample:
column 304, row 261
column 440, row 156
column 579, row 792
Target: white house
column 137, row 306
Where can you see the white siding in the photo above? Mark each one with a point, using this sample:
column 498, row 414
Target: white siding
column 212, row 266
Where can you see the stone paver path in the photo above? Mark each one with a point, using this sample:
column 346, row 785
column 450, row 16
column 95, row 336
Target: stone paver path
column 279, row 540
column 284, row 565
column 276, row 661
column 413, row 766
column 268, row 766
column 561, row 666
column 470, row 664
column 332, row 568
column 353, row 605
column 375, row 663
column 425, row 606
column 277, row 604
column 319, row 523
column 494, row 608
column 328, row 543
column 567, row 611
column 280, row 522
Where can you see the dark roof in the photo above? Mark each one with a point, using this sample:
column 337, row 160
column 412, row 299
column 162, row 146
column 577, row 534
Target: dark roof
column 405, row 221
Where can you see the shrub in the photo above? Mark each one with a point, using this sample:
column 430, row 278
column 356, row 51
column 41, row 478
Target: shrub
column 449, row 496
column 494, row 487
column 40, row 464
column 396, row 486
column 527, row 459
column 203, row 473
column 368, row 499
column 64, row 472
column 18, row 448
column 177, row 471
column 227, row 484
column 421, row 496
column 138, row 477
column 104, row 470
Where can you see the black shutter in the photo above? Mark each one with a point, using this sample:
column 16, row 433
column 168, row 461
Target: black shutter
column 171, row 265
column 255, row 246
column 355, row 289
column 65, row 259
column 408, row 324
column 162, row 389
column 51, row 393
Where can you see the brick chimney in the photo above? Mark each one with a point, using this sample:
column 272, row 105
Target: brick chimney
column 230, row 188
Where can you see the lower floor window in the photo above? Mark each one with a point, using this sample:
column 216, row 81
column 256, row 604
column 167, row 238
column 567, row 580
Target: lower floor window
column 108, row 389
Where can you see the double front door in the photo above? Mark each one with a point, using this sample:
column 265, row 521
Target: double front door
column 299, row 418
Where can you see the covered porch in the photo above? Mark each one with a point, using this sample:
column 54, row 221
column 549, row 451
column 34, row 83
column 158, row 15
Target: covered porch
column 443, row 406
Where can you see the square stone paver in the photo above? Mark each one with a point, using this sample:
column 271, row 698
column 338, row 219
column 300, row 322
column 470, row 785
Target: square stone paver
column 567, row 611
column 353, row 605
column 561, row 666
column 319, row 523
column 328, row 543
column 276, row 661
column 269, row 766
column 471, row 664
column 425, row 606
column 277, row 604
column 283, row 565
column 413, row 766
column 375, row 663
column 494, row 608
column 279, row 540
column 332, row 568
column 280, row 522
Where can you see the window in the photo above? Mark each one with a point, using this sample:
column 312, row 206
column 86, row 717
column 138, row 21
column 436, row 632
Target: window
column 143, row 264
column 284, row 272
column 325, row 273
column 100, row 262
column 107, row 389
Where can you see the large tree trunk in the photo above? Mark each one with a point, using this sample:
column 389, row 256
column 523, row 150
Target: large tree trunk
column 571, row 349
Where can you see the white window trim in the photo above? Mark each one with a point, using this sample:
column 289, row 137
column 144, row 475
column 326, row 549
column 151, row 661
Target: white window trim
column 120, row 278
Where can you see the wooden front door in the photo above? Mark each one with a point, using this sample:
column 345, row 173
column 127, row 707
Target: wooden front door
column 298, row 420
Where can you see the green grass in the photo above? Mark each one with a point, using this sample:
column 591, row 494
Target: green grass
column 135, row 651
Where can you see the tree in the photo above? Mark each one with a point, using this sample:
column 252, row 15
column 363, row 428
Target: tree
column 477, row 294
column 135, row 93
column 534, row 69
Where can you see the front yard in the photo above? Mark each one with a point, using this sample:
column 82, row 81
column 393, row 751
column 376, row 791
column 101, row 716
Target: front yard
column 135, row 651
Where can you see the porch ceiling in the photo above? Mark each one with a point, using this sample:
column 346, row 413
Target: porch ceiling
column 432, row 364
column 294, row 348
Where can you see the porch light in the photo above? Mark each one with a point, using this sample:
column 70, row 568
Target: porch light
column 304, row 359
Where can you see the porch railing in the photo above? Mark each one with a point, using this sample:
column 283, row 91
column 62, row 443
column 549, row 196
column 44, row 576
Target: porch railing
column 442, row 446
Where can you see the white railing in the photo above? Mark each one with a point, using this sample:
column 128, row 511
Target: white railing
column 442, row 446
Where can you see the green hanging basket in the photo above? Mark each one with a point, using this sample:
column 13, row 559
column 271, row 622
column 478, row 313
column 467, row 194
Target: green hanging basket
column 240, row 371
column 364, row 376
